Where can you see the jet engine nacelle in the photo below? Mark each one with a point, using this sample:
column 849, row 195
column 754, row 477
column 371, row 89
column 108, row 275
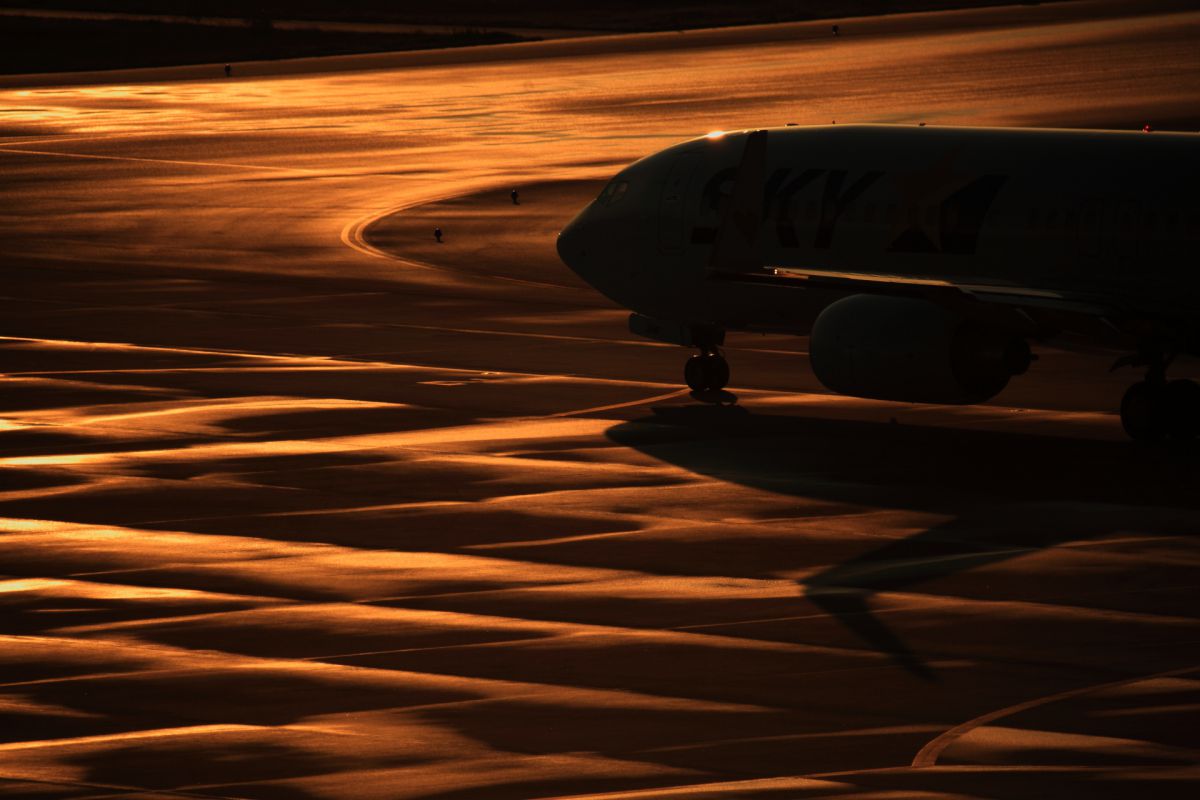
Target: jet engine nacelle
column 895, row 348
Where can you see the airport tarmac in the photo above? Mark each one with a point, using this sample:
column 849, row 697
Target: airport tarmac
column 299, row 503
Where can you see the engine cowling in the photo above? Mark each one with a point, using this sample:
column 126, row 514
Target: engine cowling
column 896, row 348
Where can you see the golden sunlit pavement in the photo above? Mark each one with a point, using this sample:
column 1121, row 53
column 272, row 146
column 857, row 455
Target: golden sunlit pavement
column 299, row 502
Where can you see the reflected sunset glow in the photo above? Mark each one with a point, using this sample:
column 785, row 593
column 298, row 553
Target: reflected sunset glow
column 323, row 476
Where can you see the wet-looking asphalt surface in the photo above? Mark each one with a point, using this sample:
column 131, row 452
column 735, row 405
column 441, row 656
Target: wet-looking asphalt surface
column 298, row 503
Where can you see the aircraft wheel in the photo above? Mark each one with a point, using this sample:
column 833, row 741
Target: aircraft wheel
column 707, row 372
column 1182, row 400
column 693, row 373
column 1144, row 412
column 718, row 371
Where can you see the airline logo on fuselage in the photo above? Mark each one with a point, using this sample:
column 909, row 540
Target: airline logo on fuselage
column 943, row 219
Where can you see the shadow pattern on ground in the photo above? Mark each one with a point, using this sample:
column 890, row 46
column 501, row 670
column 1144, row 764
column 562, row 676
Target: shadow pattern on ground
column 1006, row 495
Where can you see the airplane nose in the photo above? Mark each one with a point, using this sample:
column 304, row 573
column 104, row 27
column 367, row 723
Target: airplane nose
column 571, row 247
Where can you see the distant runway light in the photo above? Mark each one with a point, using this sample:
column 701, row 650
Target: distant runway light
column 1146, row 128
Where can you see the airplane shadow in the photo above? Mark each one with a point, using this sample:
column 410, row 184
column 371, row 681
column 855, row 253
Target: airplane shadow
column 715, row 397
column 1006, row 495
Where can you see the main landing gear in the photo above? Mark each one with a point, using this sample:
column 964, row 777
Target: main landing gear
column 706, row 372
column 1155, row 408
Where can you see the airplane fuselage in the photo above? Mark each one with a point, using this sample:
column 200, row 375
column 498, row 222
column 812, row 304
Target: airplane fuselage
column 922, row 260
column 1095, row 213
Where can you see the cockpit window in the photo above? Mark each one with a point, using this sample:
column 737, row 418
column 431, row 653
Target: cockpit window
column 613, row 193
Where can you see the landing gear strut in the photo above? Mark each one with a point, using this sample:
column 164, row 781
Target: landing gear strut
column 1156, row 408
column 706, row 372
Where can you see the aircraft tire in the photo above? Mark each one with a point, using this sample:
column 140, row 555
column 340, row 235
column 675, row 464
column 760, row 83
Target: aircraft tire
column 706, row 373
column 717, row 372
column 1144, row 412
column 1182, row 400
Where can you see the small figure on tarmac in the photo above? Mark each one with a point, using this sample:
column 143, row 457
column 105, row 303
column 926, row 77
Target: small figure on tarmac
column 835, row 30
column 437, row 234
column 228, row 70
column 514, row 194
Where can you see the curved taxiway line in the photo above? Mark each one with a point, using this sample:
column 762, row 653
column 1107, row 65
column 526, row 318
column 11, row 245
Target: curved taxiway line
column 929, row 754
column 354, row 236
column 354, row 232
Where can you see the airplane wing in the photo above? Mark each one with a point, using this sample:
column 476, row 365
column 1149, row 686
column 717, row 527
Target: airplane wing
column 1038, row 311
column 945, row 288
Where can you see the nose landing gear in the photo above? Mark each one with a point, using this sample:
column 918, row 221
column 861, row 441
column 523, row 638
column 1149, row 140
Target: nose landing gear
column 1155, row 408
column 706, row 372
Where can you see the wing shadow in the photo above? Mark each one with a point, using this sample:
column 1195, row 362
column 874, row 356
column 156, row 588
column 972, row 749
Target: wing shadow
column 1005, row 495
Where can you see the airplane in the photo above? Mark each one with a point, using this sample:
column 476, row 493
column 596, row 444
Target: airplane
column 922, row 261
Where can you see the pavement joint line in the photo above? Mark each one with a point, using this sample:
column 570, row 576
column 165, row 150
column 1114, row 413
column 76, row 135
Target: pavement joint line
column 585, row 339
column 222, row 164
column 615, row 406
column 330, row 358
column 164, row 348
column 121, row 791
column 835, row 734
column 343, row 366
column 150, row 733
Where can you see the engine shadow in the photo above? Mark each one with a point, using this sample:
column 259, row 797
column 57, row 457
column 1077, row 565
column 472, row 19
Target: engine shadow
column 1005, row 494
